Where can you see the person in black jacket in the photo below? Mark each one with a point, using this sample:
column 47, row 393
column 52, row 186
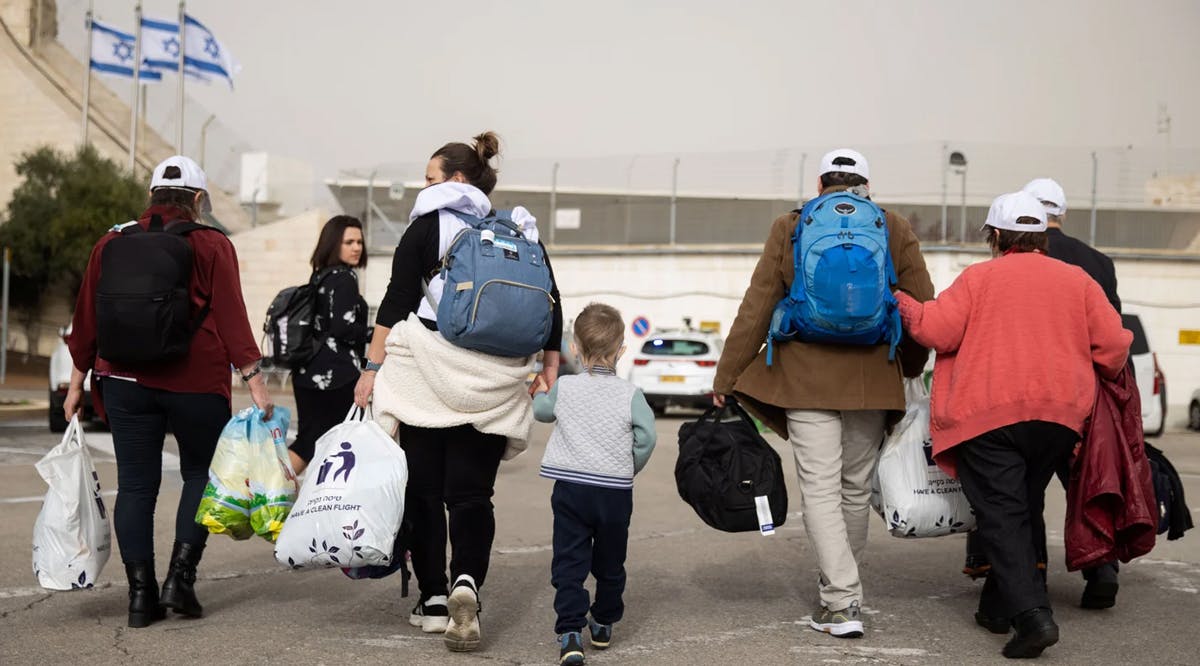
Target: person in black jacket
column 451, row 470
column 324, row 387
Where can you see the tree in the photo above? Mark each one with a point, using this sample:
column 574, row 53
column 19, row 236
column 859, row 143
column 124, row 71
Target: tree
column 64, row 203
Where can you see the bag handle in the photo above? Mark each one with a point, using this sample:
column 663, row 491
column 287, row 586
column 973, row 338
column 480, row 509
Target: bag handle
column 357, row 413
column 714, row 413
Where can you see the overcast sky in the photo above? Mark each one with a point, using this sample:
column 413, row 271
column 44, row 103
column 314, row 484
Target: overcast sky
column 354, row 84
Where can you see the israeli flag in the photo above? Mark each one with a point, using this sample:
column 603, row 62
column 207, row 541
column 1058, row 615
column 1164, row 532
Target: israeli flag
column 160, row 44
column 113, row 51
column 160, row 47
column 206, row 55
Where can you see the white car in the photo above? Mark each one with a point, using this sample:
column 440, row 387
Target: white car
column 677, row 367
column 1152, row 384
column 1194, row 411
column 60, row 378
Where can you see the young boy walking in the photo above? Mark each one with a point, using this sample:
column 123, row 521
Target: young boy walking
column 604, row 434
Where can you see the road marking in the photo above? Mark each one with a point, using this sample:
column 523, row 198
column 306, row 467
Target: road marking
column 27, row 452
column 17, row 592
column 37, row 498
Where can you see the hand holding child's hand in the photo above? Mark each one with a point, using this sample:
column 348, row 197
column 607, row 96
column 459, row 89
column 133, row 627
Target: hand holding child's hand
column 540, row 385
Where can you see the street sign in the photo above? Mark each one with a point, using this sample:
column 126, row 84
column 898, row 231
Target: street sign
column 1189, row 337
column 641, row 326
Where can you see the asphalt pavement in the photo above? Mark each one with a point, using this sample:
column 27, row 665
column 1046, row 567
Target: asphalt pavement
column 694, row 596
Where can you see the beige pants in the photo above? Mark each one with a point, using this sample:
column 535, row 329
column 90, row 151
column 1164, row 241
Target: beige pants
column 835, row 458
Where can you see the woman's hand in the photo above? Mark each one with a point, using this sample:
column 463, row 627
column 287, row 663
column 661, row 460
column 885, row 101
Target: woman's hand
column 719, row 401
column 364, row 388
column 74, row 403
column 540, row 385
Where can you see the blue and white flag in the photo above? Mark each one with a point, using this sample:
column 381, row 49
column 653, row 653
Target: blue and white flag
column 160, row 48
column 113, row 52
column 205, row 54
column 160, row 44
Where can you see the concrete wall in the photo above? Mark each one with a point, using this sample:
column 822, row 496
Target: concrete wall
column 273, row 257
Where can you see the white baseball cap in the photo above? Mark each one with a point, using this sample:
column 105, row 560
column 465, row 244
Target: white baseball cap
column 1050, row 193
column 845, row 160
column 191, row 177
column 1008, row 208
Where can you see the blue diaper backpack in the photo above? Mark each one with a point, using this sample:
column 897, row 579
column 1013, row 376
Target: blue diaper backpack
column 842, row 291
column 496, row 296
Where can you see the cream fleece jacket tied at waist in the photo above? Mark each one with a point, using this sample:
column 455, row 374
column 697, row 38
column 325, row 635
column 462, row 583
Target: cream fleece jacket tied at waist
column 429, row 383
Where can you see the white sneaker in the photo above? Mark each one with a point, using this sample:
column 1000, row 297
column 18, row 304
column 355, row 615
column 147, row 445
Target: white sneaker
column 432, row 616
column 462, row 634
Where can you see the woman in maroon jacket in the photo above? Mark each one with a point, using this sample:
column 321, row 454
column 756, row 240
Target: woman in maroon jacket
column 189, row 390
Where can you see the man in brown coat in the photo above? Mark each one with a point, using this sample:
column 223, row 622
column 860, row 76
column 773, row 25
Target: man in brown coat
column 831, row 401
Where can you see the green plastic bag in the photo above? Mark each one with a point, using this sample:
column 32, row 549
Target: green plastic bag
column 251, row 485
column 272, row 481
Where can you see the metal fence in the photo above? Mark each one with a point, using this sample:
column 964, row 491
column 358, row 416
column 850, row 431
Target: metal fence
column 1123, row 198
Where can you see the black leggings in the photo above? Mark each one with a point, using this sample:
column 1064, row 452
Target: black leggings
column 450, row 469
column 317, row 411
column 138, row 417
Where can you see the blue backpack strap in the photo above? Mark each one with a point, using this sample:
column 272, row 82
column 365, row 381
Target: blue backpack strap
column 895, row 329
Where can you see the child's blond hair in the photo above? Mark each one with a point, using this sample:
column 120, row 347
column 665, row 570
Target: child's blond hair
column 599, row 334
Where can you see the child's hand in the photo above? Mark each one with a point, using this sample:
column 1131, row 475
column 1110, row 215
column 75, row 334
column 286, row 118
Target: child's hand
column 540, row 385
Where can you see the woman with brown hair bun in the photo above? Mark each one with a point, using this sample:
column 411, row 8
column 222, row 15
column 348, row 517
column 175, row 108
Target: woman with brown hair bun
column 458, row 412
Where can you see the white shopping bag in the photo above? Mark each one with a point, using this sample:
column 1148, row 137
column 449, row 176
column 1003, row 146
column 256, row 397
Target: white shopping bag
column 914, row 496
column 71, row 538
column 351, row 503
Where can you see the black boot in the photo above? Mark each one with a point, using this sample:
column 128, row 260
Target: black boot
column 1036, row 631
column 144, row 608
column 178, row 593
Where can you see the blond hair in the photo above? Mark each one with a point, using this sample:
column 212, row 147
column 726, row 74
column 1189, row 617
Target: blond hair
column 599, row 333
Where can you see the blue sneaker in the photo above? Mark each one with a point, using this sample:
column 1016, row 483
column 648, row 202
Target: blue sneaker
column 601, row 634
column 571, row 650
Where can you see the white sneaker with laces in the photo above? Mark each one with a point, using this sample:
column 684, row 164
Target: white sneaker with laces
column 462, row 634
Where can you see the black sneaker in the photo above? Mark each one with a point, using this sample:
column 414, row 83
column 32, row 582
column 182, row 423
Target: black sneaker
column 570, row 648
column 431, row 615
column 1036, row 631
column 601, row 634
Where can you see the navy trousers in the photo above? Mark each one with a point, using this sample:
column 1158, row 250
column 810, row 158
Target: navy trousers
column 591, row 532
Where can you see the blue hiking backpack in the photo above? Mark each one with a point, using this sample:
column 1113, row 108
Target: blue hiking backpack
column 496, row 297
column 842, row 291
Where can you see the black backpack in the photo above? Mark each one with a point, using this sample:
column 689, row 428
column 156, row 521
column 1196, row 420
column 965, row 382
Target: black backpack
column 143, row 308
column 724, row 465
column 293, row 330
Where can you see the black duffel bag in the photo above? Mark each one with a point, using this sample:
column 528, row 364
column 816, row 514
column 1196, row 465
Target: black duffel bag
column 723, row 465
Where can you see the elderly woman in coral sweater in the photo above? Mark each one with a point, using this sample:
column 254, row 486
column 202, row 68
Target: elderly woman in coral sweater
column 1019, row 340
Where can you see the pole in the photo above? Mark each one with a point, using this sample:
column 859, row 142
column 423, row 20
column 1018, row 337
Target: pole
column 1092, row 224
column 35, row 37
column 142, row 121
column 962, row 209
column 204, row 137
column 137, row 86
column 181, row 77
column 4, row 318
column 674, row 196
column 800, row 192
column 87, row 72
column 945, row 158
column 553, row 201
column 370, row 200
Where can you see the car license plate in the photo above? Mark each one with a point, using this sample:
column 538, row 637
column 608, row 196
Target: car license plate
column 671, row 378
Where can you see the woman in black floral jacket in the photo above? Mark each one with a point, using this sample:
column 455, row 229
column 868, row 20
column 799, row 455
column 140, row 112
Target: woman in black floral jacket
column 324, row 388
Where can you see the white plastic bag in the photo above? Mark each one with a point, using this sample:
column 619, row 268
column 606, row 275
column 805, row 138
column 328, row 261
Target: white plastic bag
column 914, row 496
column 71, row 538
column 351, row 503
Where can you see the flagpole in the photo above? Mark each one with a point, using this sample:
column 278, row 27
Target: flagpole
column 182, row 55
column 87, row 72
column 137, row 89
